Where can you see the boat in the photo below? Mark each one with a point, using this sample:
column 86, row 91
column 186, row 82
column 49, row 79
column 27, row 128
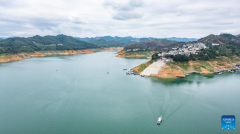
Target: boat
column 187, row 74
column 159, row 120
column 124, row 69
column 180, row 76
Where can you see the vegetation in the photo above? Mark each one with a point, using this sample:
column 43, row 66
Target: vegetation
column 155, row 56
column 105, row 43
column 138, row 54
column 197, row 68
column 229, row 46
column 143, row 66
column 204, row 66
column 183, row 65
column 131, row 40
column 154, row 45
column 38, row 43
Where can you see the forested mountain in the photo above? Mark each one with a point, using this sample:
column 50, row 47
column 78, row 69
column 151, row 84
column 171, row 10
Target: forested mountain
column 124, row 40
column 180, row 39
column 131, row 40
column 105, row 43
column 154, row 45
column 158, row 44
column 2, row 38
column 229, row 45
column 39, row 43
column 221, row 39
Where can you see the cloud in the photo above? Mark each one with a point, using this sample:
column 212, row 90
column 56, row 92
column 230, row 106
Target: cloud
column 140, row 18
column 75, row 18
column 125, row 10
column 136, row 3
column 124, row 6
column 126, row 16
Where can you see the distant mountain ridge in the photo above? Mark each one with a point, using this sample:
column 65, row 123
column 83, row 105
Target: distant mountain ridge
column 160, row 44
column 221, row 39
column 105, row 43
column 154, row 45
column 2, row 38
column 39, row 43
column 131, row 40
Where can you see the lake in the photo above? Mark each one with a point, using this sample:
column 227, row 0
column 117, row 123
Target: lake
column 75, row 95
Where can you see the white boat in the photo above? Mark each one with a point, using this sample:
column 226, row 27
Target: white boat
column 159, row 120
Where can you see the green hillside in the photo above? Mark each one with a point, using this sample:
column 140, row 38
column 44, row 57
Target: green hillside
column 39, row 43
column 154, row 45
column 105, row 43
column 221, row 39
column 229, row 45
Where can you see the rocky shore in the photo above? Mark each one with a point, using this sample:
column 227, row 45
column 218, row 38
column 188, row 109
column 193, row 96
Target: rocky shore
column 22, row 56
column 180, row 69
column 26, row 55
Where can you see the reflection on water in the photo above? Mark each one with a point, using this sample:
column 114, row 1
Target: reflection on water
column 198, row 78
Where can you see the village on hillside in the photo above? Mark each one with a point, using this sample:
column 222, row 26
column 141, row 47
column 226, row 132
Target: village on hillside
column 191, row 48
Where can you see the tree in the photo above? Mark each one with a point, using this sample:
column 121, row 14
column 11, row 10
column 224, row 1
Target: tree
column 155, row 56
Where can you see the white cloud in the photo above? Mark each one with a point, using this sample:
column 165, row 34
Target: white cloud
column 140, row 18
column 77, row 19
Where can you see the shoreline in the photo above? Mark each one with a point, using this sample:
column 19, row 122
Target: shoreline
column 136, row 54
column 180, row 69
column 27, row 55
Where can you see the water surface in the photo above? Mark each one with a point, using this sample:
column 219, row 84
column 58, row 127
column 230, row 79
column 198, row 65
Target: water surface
column 74, row 94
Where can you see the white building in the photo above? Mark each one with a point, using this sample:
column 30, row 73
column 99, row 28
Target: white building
column 215, row 44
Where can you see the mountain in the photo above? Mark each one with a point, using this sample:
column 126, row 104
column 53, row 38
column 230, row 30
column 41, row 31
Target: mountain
column 2, row 38
column 221, row 39
column 124, row 40
column 39, row 43
column 131, row 40
column 106, row 43
column 238, row 36
column 154, row 45
column 180, row 39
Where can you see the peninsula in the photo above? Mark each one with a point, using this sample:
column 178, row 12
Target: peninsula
column 208, row 55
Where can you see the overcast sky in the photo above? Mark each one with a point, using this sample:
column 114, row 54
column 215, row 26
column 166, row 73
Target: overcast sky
column 138, row 18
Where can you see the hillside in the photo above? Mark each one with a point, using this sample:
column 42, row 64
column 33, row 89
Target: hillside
column 2, row 38
column 238, row 36
column 131, row 40
column 207, row 59
column 124, row 40
column 154, row 45
column 39, row 43
column 221, row 39
column 106, row 43
column 174, row 69
column 180, row 39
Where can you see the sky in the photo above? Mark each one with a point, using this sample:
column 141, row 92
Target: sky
column 137, row 18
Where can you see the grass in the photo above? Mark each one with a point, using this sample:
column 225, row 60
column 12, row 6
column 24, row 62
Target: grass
column 234, row 59
column 171, row 65
column 147, row 53
column 220, row 64
column 207, row 66
column 183, row 65
column 197, row 68
column 2, row 56
column 144, row 66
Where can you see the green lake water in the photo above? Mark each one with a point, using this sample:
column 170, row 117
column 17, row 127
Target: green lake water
column 75, row 95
